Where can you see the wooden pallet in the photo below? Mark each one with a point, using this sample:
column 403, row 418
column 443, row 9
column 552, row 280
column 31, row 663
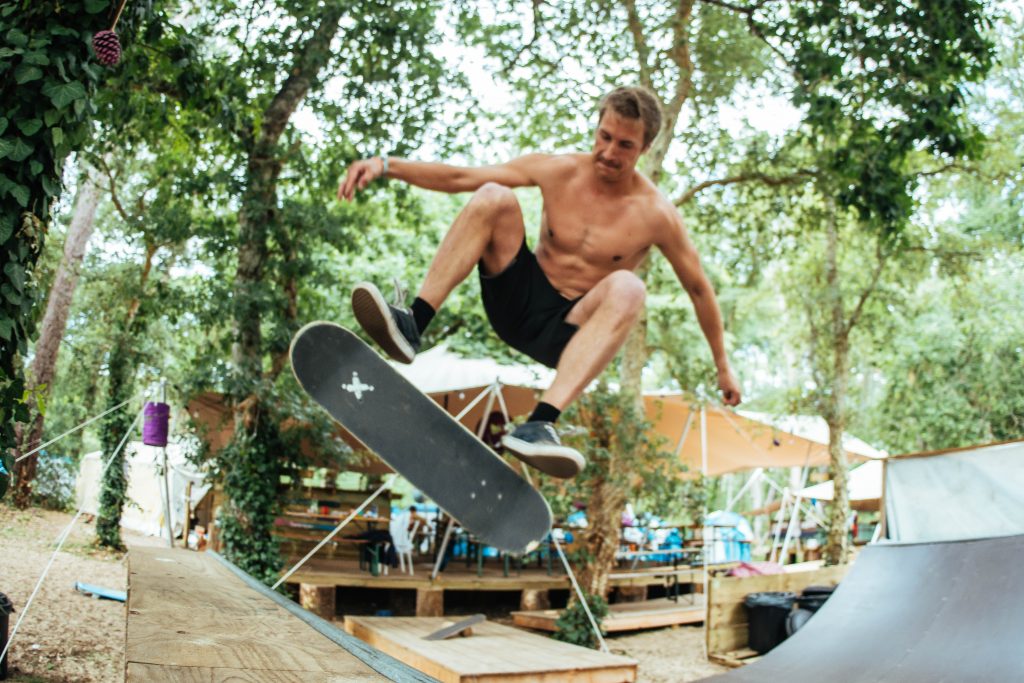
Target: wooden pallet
column 493, row 654
column 627, row 616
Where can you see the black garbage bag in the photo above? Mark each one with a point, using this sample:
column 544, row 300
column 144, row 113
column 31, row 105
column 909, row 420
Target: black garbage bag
column 766, row 615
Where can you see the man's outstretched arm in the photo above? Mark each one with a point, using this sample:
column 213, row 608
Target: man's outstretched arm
column 681, row 253
column 519, row 172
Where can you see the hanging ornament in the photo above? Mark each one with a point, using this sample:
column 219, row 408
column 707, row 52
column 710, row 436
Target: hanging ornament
column 106, row 44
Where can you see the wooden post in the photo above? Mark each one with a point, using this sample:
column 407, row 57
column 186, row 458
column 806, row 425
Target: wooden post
column 534, row 599
column 188, row 515
column 317, row 599
column 430, row 602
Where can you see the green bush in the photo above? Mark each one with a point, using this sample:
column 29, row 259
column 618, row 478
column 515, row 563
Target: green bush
column 574, row 627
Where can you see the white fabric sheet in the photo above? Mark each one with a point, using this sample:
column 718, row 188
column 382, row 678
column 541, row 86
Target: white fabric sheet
column 976, row 493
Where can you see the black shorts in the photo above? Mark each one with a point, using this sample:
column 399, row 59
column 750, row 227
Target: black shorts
column 526, row 311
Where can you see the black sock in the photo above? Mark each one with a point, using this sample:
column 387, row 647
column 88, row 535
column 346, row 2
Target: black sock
column 544, row 412
column 422, row 313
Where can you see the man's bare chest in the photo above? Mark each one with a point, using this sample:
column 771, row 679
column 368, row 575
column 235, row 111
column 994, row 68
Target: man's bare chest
column 602, row 235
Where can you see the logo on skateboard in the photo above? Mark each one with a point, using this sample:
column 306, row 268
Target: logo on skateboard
column 356, row 387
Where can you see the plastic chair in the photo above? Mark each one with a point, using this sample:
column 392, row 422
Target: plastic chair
column 402, row 540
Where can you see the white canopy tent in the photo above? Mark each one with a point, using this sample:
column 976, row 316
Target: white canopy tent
column 144, row 509
column 864, row 484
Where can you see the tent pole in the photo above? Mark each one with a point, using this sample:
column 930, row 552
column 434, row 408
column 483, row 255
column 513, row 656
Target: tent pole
column 686, row 432
column 472, row 404
column 167, row 473
column 794, row 519
column 754, row 476
column 778, row 523
column 704, row 517
column 487, row 410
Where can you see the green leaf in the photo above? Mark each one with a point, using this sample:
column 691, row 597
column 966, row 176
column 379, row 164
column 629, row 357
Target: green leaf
column 51, row 117
column 16, row 38
column 6, row 327
column 20, row 150
column 63, row 94
column 30, row 127
column 50, row 186
column 6, row 52
column 37, row 57
column 12, row 296
column 21, row 194
column 96, row 6
column 7, row 223
column 15, row 273
column 23, row 73
column 3, row 124
column 58, row 136
column 35, row 167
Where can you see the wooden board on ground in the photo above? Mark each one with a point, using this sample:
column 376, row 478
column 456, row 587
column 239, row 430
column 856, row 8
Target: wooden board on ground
column 493, row 654
column 727, row 630
column 627, row 616
column 191, row 618
column 735, row 658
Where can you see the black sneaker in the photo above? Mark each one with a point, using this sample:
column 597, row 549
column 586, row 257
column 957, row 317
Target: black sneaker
column 393, row 328
column 537, row 444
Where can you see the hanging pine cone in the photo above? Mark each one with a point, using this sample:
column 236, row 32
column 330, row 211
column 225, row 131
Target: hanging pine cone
column 107, row 47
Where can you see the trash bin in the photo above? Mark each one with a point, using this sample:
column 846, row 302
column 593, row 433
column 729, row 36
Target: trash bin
column 6, row 609
column 813, row 597
column 766, row 614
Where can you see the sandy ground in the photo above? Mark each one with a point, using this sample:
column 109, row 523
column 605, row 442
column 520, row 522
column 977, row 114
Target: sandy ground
column 67, row 636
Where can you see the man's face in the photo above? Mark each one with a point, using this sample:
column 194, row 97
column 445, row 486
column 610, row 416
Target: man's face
column 618, row 144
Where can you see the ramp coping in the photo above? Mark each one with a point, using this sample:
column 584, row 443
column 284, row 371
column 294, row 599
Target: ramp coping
column 384, row 664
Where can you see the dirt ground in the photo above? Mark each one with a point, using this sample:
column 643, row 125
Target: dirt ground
column 69, row 637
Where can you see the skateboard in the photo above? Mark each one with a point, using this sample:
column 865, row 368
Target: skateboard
column 418, row 438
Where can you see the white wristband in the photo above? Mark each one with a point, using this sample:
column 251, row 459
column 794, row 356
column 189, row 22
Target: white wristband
column 384, row 164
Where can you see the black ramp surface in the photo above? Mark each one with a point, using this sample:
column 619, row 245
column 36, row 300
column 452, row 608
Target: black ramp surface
column 418, row 438
column 948, row 612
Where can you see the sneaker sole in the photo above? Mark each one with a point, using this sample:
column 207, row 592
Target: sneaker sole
column 375, row 317
column 558, row 461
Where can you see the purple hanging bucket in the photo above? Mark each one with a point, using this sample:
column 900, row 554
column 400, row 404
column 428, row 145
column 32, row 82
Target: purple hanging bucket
column 154, row 428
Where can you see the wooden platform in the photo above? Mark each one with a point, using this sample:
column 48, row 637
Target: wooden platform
column 493, row 654
column 627, row 616
column 195, row 617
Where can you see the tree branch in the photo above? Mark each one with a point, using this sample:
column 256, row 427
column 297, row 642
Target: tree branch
column 771, row 181
column 643, row 51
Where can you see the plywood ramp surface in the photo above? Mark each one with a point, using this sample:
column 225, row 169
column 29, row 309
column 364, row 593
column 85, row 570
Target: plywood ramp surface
column 627, row 616
column 190, row 618
column 493, row 654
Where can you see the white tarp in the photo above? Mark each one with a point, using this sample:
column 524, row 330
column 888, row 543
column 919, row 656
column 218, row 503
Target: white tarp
column 976, row 493
column 865, row 483
column 438, row 370
column 143, row 511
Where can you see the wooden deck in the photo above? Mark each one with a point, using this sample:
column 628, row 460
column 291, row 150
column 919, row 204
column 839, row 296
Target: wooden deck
column 459, row 577
column 492, row 654
column 627, row 616
column 194, row 617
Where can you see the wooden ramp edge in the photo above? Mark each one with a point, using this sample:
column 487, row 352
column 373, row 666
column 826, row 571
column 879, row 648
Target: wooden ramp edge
column 626, row 616
column 493, row 654
column 196, row 617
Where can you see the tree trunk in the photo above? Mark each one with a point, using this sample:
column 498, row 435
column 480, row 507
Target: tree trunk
column 837, row 545
column 601, row 539
column 58, row 306
column 252, row 488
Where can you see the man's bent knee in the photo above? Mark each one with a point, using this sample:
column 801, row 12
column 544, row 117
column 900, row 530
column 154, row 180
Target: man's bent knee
column 495, row 197
column 626, row 291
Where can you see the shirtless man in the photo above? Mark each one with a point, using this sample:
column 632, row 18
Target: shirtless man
column 571, row 304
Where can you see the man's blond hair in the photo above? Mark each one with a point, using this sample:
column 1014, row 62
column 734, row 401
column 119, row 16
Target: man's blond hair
column 635, row 102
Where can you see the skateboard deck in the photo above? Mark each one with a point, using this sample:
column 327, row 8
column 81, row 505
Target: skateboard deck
column 418, row 438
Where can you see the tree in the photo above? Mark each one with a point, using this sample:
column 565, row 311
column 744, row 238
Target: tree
column 49, row 80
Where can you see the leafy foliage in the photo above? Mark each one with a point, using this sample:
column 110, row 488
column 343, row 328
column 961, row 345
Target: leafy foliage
column 47, row 82
column 573, row 626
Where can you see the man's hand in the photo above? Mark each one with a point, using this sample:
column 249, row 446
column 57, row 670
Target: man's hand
column 359, row 175
column 729, row 387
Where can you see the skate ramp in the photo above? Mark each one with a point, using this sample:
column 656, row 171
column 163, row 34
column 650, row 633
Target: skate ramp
column 914, row 613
